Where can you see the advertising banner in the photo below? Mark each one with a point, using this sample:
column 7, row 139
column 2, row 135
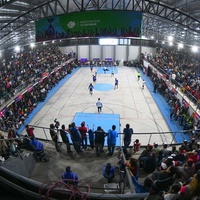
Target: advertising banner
column 89, row 24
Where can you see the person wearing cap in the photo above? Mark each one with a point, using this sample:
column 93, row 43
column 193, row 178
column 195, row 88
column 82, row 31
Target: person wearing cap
column 109, row 172
column 99, row 105
column 83, row 132
column 187, row 170
column 69, row 177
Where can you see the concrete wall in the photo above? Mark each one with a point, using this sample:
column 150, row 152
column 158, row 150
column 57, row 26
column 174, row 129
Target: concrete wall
column 118, row 52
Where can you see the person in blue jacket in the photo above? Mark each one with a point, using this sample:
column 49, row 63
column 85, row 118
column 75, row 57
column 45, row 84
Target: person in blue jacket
column 69, row 177
column 112, row 138
column 139, row 188
column 109, row 172
column 38, row 148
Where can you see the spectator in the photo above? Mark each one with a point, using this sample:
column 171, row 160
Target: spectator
column 142, row 188
column 4, row 148
column 91, row 138
column 65, row 139
column 127, row 136
column 76, row 138
column 109, row 172
column 54, row 136
column 38, row 148
column 69, row 177
column 192, row 189
column 29, row 130
column 173, row 192
column 132, row 165
column 186, row 171
column 83, row 131
column 99, row 140
column 112, row 137
column 136, row 146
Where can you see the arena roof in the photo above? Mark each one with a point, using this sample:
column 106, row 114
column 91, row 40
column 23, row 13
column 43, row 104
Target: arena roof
column 161, row 18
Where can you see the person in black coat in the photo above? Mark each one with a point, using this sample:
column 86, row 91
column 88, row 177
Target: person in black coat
column 99, row 140
column 65, row 138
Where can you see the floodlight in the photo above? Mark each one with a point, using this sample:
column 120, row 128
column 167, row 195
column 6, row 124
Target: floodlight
column 170, row 38
column 180, row 45
column 32, row 45
column 17, row 49
column 194, row 48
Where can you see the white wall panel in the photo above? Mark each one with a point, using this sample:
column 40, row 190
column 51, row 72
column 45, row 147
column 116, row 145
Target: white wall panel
column 95, row 52
column 148, row 50
column 108, row 52
column 134, row 52
column 68, row 49
column 83, row 52
column 121, row 53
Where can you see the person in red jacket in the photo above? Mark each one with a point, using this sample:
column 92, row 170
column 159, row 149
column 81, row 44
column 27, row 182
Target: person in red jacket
column 29, row 130
column 83, row 131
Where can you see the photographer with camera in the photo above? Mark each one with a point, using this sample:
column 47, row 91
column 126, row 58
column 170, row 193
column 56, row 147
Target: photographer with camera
column 57, row 124
column 54, row 134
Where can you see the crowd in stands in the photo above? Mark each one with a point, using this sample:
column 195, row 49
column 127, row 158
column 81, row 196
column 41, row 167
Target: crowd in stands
column 37, row 71
column 181, row 68
column 174, row 171
column 177, row 69
column 169, row 171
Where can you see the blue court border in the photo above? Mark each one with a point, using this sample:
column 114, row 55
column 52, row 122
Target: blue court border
column 49, row 95
column 175, row 128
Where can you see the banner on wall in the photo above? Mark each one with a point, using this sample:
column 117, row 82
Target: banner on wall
column 18, row 98
column 89, row 24
column 2, row 112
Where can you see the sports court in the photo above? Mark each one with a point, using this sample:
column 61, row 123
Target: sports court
column 70, row 101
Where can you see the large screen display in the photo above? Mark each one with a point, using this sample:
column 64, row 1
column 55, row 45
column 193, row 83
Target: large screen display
column 89, row 24
column 108, row 41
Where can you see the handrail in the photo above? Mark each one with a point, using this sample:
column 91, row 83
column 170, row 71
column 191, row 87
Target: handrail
column 131, row 185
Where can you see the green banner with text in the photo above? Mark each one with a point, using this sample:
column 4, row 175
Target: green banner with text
column 89, row 24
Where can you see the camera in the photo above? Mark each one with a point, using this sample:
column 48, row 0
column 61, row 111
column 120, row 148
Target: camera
column 57, row 123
